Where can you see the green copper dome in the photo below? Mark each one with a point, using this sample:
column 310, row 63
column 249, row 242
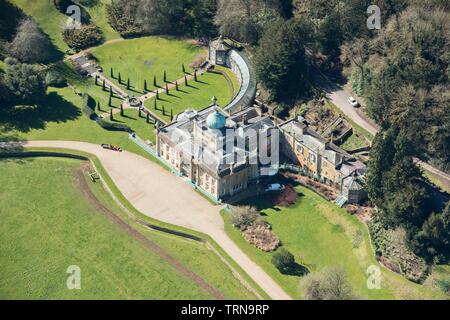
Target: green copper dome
column 216, row 120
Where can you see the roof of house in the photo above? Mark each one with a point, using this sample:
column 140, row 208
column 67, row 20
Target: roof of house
column 354, row 182
column 219, row 44
column 303, row 134
column 181, row 134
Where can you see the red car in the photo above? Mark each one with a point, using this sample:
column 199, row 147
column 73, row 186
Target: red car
column 111, row 147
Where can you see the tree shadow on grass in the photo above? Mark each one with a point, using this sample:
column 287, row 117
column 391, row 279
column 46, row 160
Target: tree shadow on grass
column 296, row 270
column 53, row 108
column 132, row 89
column 128, row 117
column 174, row 96
column 55, row 54
column 164, row 100
column 202, row 82
column 11, row 152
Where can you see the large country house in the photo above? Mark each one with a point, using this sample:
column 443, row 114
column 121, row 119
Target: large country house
column 322, row 159
column 197, row 143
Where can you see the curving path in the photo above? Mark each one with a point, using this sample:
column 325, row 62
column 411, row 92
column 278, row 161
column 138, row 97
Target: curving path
column 161, row 195
column 338, row 95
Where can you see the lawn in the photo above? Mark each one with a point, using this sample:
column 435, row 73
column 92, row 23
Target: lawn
column 60, row 118
column 320, row 234
column 98, row 15
column 49, row 18
column 143, row 58
column 197, row 95
column 355, row 141
column 144, row 130
column 52, row 21
column 44, row 233
column 232, row 78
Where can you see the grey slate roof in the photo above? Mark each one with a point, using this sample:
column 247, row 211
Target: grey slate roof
column 180, row 133
column 342, row 160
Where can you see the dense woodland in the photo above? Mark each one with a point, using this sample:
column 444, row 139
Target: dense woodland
column 402, row 71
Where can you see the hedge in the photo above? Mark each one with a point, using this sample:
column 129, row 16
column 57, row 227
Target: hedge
column 88, row 107
column 55, row 79
column 88, row 36
column 113, row 126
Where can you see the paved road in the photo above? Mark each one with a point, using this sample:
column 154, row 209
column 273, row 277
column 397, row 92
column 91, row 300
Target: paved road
column 338, row 95
column 161, row 195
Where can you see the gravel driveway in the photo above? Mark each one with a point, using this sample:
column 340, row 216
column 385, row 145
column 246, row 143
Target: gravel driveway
column 162, row 195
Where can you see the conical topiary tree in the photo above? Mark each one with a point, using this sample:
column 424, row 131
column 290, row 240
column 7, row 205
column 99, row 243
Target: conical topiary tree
column 140, row 113
column 145, row 86
column 96, row 79
column 183, row 68
column 148, row 117
column 155, row 84
column 171, row 114
column 111, row 117
column 157, row 94
column 112, row 73
column 195, row 75
column 186, row 81
column 128, row 84
column 120, row 78
column 98, row 106
column 167, row 89
column 155, row 105
column 165, row 76
column 121, row 109
column 104, row 85
column 163, row 110
column 176, row 85
column 110, row 101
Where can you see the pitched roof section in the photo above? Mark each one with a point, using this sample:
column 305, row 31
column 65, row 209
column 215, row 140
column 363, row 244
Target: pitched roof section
column 304, row 135
column 185, row 133
column 219, row 44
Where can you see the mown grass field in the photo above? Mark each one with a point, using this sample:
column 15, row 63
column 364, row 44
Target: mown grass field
column 143, row 58
column 52, row 21
column 60, row 118
column 196, row 95
column 144, row 130
column 232, row 77
column 320, row 234
column 99, row 17
column 45, row 232
column 49, row 18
